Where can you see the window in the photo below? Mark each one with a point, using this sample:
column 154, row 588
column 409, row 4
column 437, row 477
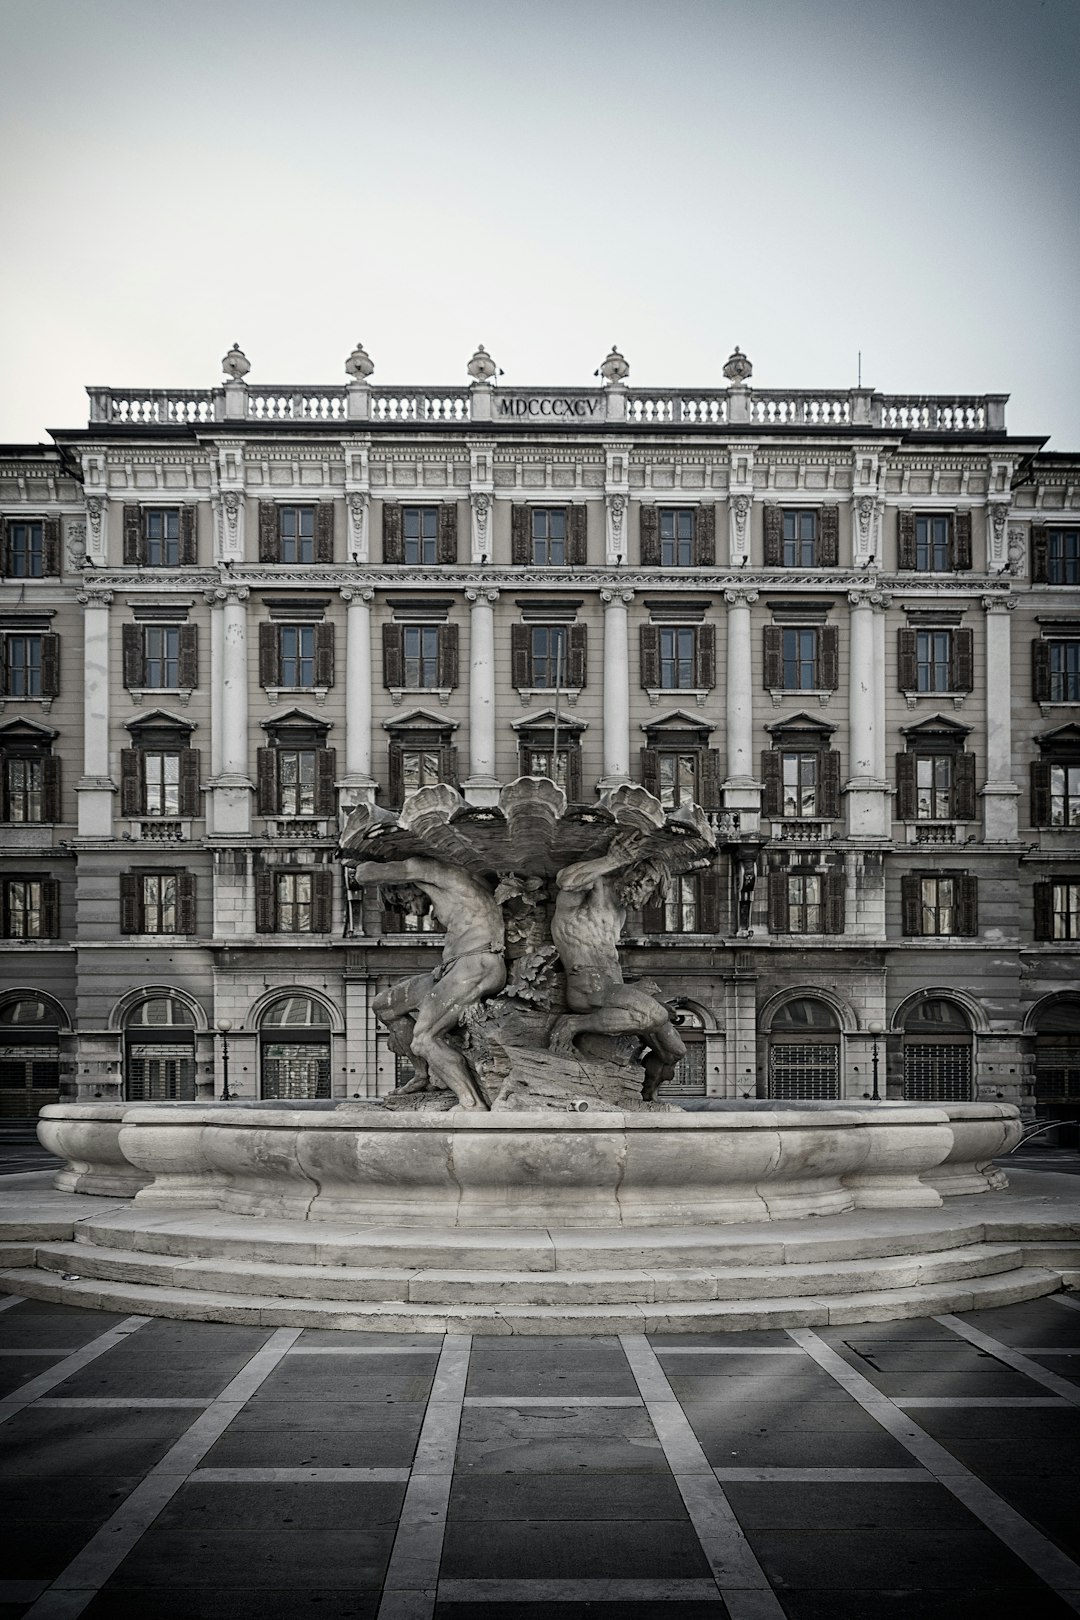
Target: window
column 161, row 784
column 1055, row 668
column 420, row 756
column 1065, row 795
column 677, row 647
column 937, row 1052
column 294, row 1050
column 420, row 657
column 939, row 904
column 1057, row 1052
column 1057, row 909
column 296, row 657
column 678, row 536
column 295, row 534
column 159, row 536
column 420, row 527
column 24, row 783
column 540, row 753
column 159, row 1051
column 538, row 762
column 690, row 905
column 806, row 900
column 1055, row 556
column 933, row 787
column 30, row 547
column 802, row 537
column 934, row 542
column 935, row 779
column 678, row 658
column 157, row 902
column 29, row 778
column 548, row 536
column 932, row 660
column 420, row 768
column 677, row 779
column 293, row 900
column 804, row 1053
column 31, row 665
column 296, row 774
column 801, row 658
column 29, row 907
column 548, row 651
column 421, row 536
column 801, row 773
column 543, row 656
column 679, row 768
column 160, row 657
column 935, row 659
column 159, row 775
column 29, row 1056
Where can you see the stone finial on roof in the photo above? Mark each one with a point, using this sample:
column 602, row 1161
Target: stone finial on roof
column 236, row 363
column 481, row 367
column 360, row 364
column 738, row 369
column 616, row 367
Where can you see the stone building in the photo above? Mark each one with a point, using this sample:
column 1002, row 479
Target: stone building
column 847, row 623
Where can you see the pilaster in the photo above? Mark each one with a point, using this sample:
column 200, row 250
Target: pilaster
column 229, row 505
column 740, row 500
column 481, row 501
column 616, row 688
column 616, row 501
column 482, row 786
column 1000, row 793
column 742, row 791
column 96, row 787
column 357, row 784
column 232, row 787
column 357, row 499
column 866, row 791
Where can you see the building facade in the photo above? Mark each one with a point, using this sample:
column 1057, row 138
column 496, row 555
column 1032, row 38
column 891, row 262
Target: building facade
column 846, row 623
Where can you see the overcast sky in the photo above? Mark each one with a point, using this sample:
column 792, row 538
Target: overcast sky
column 806, row 178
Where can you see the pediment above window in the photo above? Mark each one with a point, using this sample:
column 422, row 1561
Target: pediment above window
column 937, row 731
column 26, row 734
column 545, row 721
column 297, row 729
column 1063, row 740
column 419, row 720
column 801, row 728
column 677, row 729
column 158, row 720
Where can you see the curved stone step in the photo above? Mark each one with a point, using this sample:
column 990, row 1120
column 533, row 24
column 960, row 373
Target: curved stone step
column 706, row 1316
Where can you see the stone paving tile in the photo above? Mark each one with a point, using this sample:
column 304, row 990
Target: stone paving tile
column 247, row 1602
column 670, row 1610
column 39, row 1326
column 853, row 1506
column 991, row 1380
column 572, row 1549
column 1039, row 1321
column 198, row 1341
column 16, row 1370
column 333, row 1559
column 229, row 1506
column 699, row 1341
column 907, row 1555
column 542, row 1496
column 51, row 1441
column 890, row 1355
column 737, row 1389
column 331, row 1378
column 312, row 1448
column 121, row 1372
column 273, row 1413
column 916, row 1329
column 344, row 1340
column 598, row 1368
column 925, row 1603
column 559, row 1440
column 47, row 1521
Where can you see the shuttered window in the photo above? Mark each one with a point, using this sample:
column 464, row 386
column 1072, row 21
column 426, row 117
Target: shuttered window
column 29, row 787
column 160, row 657
column 294, row 900
column 938, row 905
column 157, row 902
column 159, row 536
column 31, row 665
column 29, row 907
column 934, row 542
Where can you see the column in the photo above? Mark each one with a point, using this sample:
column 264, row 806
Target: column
column 96, row 787
column 358, row 784
column 742, row 791
column 1000, row 793
column 482, row 786
column 616, row 688
column 233, row 785
column 865, row 789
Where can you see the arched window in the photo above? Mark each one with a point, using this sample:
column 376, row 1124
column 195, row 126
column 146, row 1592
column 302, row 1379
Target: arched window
column 937, row 1052
column 159, row 1050
column 29, row 1056
column 689, row 1077
column 1057, row 1055
column 294, row 1049
column 804, row 1052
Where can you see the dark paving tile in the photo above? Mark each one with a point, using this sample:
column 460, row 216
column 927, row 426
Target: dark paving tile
column 573, row 1549
column 738, row 1389
column 18, row 1370
column 338, row 1378
column 41, row 1442
column 1049, row 1503
column 776, row 1336
column 668, row 1610
column 312, row 1448
column 559, row 1440
column 179, row 1339
column 542, row 1496
column 851, row 1506
column 261, row 1412
column 371, row 1341
column 725, row 1364
column 1050, row 1429
column 941, row 1603
column 585, row 1344
column 333, row 1559
column 120, row 1373
column 596, row 1369
column 225, row 1506
column 247, row 1602
column 1039, row 1321
column 771, row 1417
column 61, row 1328
column 900, row 1556
column 888, row 1355
column 995, row 1380
column 46, row 1522
column 916, row 1328
column 810, row 1448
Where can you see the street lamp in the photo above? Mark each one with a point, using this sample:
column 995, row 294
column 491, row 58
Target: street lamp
column 223, row 1027
column 876, row 1030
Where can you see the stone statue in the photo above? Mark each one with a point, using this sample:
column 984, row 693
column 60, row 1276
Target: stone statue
column 590, row 910
column 419, row 1011
column 747, row 883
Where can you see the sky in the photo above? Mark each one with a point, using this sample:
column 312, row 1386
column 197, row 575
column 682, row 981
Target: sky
column 803, row 178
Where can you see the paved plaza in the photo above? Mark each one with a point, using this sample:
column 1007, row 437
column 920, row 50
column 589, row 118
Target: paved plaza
column 192, row 1471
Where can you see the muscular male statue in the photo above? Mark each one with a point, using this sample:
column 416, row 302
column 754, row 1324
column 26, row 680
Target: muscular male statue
column 590, row 910
column 419, row 1011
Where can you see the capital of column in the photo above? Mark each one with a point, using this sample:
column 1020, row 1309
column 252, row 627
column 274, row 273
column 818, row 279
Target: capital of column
column 487, row 594
column 869, row 597
column 740, row 596
column 998, row 604
column 350, row 593
column 226, row 593
column 616, row 597
column 94, row 596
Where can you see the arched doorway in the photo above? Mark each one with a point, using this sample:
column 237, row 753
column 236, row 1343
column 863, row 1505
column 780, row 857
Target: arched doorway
column 689, row 1077
column 1057, row 1064
column 159, row 1050
column 29, row 1054
column 937, row 1052
column 294, row 1049
column 804, row 1052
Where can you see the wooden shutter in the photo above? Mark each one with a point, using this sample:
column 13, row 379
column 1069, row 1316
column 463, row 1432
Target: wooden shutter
column 774, row 657
column 967, row 904
column 520, row 536
column 649, row 536
column 577, row 536
column 963, row 794
column 50, row 543
column 132, row 644
column 962, row 660
column 265, row 903
column 324, row 653
column 50, row 787
column 828, row 784
column 50, row 666
column 1043, row 895
column 1040, row 792
column 322, row 900
column 269, row 659
column 708, row 901
column 1040, row 549
column 396, row 775
column 905, row 786
column 709, row 776
column 188, row 661
column 774, row 536
column 833, row 884
column 905, row 539
column 907, row 662
column 269, row 543
column 131, row 782
column 324, row 532
column 828, row 546
column 190, row 796
column 577, row 644
column 325, row 779
column 650, row 771
column 778, row 902
column 446, row 549
column 448, row 765
column 705, row 536
column 186, row 551
column 448, row 655
column 962, row 539
column 130, row 903
column 520, row 656
column 185, row 902
column 266, row 780
column 393, row 537
column 1040, row 671
column 772, row 776
column 652, row 914
column 705, row 656
column 393, row 657
column 573, row 773
column 133, row 537
column 911, row 905
column 650, row 658
column 828, row 657
column 50, row 907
